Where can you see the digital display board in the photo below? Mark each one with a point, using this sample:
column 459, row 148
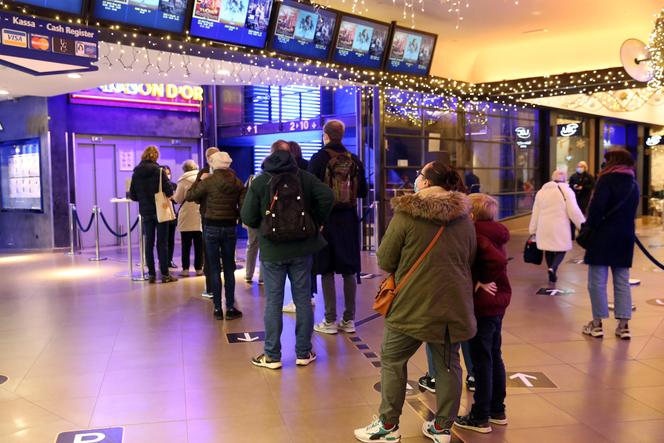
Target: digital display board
column 70, row 6
column 242, row 22
column 162, row 15
column 304, row 30
column 20, row 175
column 361, row 42
column 410, row 52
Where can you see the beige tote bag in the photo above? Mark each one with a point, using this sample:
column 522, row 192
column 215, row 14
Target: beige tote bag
column 165, row 211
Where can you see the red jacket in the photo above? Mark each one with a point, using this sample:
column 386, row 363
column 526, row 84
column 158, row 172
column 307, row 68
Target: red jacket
column 491, row 266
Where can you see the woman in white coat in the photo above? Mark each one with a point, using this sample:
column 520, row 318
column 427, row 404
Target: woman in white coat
column 189, row 220
column 555, row 205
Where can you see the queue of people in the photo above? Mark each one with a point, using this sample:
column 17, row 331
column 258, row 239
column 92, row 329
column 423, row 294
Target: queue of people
column 444, row 242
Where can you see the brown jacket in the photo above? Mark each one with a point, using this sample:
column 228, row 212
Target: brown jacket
column 222, row 193
column 439, row 296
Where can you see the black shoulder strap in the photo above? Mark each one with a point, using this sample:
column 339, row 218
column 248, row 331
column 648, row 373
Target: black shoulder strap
column 622, row 202
column 562, row 193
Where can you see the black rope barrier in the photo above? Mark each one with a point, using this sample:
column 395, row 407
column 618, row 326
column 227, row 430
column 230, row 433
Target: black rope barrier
column 648, row 254
column 80, row 225
column 366, row 214
column 108, row 226
column 134, row 225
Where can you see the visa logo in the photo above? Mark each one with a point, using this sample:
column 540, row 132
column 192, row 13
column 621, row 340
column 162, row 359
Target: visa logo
column 14, row 38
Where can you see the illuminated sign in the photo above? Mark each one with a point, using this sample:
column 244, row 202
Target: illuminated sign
column 524, row 137
column 655, row 140
column 569, row 130
column 143, row 95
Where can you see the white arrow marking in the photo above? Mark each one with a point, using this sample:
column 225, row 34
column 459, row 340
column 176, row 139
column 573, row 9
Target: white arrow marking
column 553, row 291
column 659, row 302
column 524, row 378
column 409, row 387
column 248, row 337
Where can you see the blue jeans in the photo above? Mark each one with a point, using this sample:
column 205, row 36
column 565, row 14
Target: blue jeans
column 465, row 350
column 622, row 294
column 220, row 244
column 489, row 368
column 150, row 225
column 298, row 271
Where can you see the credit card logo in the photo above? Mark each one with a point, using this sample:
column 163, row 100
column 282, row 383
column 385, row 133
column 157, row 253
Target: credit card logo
column 17, row 39
column 86, row 49
column 63, row 46
column 39, row 42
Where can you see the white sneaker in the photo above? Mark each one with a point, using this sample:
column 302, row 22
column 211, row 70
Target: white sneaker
column 375, row 432
column 326, row 328
column 289, row 308
column 305, row 361
column 347, row 326
column 207, row 295
column 430, row 431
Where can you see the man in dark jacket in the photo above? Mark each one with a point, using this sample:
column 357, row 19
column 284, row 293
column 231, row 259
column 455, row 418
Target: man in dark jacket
column 222, row 193
column 287, row 258
column 342, row 233
column 202, row 173
column 582, row 184
column 144, row 185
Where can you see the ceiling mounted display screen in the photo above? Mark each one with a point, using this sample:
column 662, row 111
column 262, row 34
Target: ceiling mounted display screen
column 242, row 22
column 162, row 15
column 361, row 42
column 69, row 6
column 410, row 52
column 305, row 30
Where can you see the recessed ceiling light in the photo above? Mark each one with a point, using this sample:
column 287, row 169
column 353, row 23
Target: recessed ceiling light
column 223, row 72
column 4, row 92
column 74, row 75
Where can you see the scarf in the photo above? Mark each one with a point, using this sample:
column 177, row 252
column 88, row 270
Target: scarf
column 618, row 169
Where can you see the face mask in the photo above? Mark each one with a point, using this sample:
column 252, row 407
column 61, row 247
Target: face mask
column 579, row 170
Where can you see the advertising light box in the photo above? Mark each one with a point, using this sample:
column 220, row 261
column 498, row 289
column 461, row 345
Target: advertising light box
column 305, row 30
column 242, row 22
column 361, row 42
column 20, row 176
column 411, row 52
column 69, row 6
column 162, row 15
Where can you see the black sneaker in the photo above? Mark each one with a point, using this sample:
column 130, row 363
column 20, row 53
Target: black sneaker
column 152, row 279
column 470, row 383
column 427, row 383
column 264, row 361
column 472, row 424
column 498, row 418
column 218, row 314
column 232, row 314
column 552, row 276
column 168, row 279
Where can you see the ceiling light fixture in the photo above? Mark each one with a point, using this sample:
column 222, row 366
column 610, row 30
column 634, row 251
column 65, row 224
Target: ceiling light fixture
column 74, row 75
column 4, row 92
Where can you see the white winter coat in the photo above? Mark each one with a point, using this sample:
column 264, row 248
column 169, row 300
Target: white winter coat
column 551, row 215
column 189, row 217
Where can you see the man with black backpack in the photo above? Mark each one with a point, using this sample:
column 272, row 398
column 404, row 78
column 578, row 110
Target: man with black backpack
column 288, row 206
column 343, row 172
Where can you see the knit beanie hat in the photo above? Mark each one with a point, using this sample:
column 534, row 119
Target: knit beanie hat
column 221, row 160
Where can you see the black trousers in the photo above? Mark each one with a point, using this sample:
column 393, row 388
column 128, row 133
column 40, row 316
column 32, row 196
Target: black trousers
column 489, row 369
column 554, row 259
column 171, row 239
column 189, row 237
column 150, row 227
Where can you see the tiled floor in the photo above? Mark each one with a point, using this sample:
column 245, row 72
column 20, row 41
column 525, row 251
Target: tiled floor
column 83, row 348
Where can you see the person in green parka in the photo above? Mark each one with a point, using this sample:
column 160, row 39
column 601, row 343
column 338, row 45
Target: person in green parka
column 435, row 305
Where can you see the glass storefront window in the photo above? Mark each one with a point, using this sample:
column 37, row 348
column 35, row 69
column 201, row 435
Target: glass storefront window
column 572, row 142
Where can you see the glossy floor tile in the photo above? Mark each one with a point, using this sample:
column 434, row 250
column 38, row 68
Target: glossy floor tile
column 86, row 348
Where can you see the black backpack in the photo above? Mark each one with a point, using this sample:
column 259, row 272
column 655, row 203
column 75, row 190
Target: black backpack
column 286, row 218
column 342, row 176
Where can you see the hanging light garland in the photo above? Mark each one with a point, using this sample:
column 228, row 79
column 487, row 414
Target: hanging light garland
column 656, row 47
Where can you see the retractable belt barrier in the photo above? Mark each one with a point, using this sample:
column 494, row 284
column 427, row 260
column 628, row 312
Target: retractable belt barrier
column 78, row 220
column 108, row 226
column 648, row 254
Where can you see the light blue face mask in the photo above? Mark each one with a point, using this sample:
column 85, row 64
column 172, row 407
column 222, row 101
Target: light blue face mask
column 415, row 187
column 579, row 170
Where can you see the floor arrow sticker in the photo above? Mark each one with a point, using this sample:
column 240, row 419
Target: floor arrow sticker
column 527, row 379
column 245, row 337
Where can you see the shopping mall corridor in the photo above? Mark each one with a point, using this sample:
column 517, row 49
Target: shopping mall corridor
column 82, row 348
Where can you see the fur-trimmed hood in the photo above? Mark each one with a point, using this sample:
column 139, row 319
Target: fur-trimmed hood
column 434, row 204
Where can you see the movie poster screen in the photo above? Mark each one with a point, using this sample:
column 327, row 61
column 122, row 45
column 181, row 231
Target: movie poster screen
column 243, row 22
column 361, row 43
column 163, row 15
column 20, row 175
column 410, row 53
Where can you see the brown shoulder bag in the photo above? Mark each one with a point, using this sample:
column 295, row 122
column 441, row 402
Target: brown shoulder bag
column 388, row 289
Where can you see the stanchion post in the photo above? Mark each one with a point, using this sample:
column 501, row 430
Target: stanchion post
column 129, row 251
column 72, row 227
column 95, row 210
column 375, row 226
column 141, row 249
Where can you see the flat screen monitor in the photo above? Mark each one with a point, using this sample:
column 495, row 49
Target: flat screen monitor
column 68, row 6
column 305, row 30
column 410, row 52
column 241, row 22
column 361, row 42
column 20, row 176
column 162, row 15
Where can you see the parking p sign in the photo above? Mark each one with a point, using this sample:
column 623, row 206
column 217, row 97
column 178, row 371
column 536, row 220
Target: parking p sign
column 108, row 435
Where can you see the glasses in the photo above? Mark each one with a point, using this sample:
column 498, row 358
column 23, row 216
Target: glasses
column 419, row 172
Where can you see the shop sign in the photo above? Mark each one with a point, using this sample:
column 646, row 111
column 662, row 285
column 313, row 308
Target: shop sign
column 569, row 130
column 524, row 137
column 44, row 47
column 165, row 96
column 655, row 140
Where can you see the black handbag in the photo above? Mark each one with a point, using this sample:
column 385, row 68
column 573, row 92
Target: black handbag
column 530, row 252
column 587, row 233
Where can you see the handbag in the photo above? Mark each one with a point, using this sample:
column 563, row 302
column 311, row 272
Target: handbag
column 388, row 289
column 165, row 211
column 587, row 233
column 531, row 253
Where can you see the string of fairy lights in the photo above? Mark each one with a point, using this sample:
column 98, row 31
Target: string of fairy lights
column 234, row 65
column 656, row 48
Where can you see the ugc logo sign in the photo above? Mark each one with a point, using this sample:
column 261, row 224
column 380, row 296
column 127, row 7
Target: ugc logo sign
column 653, row 140
column 523, row 133
column 568, row 130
